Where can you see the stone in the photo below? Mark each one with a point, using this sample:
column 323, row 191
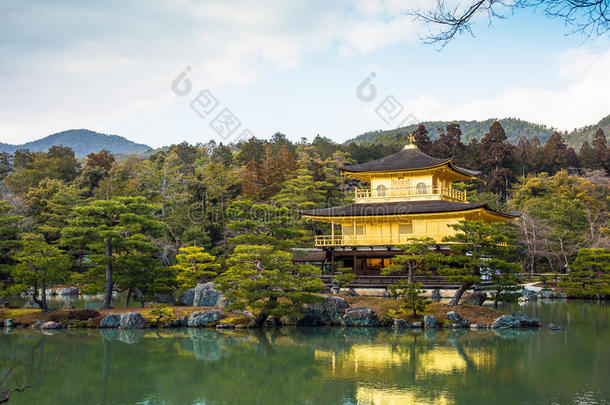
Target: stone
column 479, row 326
column 474, row 298
column 429, row 322
column 206, row 295
column 204, row 318
column 132, row 320
column 223, row 302
column 436, row 295
column 552, row 326
column 31, row 304
column 110, row 321
column 68, row 291
column 327, row 312
column 400, row 324
column 417, row 325
column 506, row 322
column 526, row 319
column 386, row 294
column 360, row 317
column 180, row 322
column 165, row 299
column 456, row 319
column 37, row 325
column 130, row 336
column 352, row 292
column 187, row 297
column 335, row 290
column 9, row 323
column 51, row 325
column 225, row 326
column 548, row 294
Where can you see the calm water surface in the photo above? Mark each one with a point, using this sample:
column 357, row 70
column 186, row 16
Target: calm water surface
column 323, row 365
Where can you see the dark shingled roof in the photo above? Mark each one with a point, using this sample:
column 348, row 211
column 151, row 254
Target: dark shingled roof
column 399, row 208
column 406, row 159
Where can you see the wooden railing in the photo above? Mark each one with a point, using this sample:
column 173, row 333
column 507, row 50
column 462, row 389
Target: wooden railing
column 362, row 195
column 347, row 240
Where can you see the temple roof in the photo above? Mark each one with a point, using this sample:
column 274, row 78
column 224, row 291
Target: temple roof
column 406, row 159
column 400, row 208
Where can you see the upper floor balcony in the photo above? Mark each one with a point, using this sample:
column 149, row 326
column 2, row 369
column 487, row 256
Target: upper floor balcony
column 417, row 193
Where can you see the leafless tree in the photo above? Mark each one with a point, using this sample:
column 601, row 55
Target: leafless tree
column 592, row 18
column 5, row 394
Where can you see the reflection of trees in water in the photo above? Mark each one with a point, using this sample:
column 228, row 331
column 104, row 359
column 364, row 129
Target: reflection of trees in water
column 301, row 365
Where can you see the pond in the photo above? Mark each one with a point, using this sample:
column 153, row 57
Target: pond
column 321, row 365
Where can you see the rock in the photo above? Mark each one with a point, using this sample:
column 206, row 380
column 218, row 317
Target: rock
column 435, row 295
column 132, row 320
column 223, row 302
column 241, row 326
column 130, row 336
column 327, row 312
column 180, row 322
column 561, row 294
column 526, row 319
column 51, row 325
column 360, row 317
column 548, row 294
column 456, row 319
column 37, row 325
column 475, row 298
column 225, row 326
column 204, row 318
column 206, row 295
column 506, row 322
column 335, row 290
column 417, row 325
column 552, row 326
column 479, row 326
column 352, row 292
column 110, row 321
column 386, row 294
column 400, row 324
column 68, row 291
column 187, row 297
column 429, row 322
column 9, row 323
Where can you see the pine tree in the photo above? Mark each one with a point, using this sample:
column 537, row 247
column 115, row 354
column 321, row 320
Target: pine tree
column 590, row 274
column 39, row 266
column 497, row 159
column 600, row 148
column 422, row 139
column 587, row 157
column 120, row 230
column 9, row 237
column 505, row 286
column 195, row 265
column 476, row 245
column 417, row 256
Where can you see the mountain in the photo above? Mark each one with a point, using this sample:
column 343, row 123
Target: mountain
column 515, row 129
column 83, row 142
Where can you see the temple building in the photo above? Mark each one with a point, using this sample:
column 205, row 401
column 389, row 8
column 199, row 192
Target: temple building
column 409, row 195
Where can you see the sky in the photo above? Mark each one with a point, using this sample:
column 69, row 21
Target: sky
column 163, row 72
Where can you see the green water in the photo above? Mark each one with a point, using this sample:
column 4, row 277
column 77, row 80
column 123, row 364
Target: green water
column 323, row 365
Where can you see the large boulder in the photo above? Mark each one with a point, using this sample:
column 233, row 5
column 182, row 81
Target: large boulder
column 204, row 318
column 110, row 321
column 51, row 325
column 165, row 299
column 132, row 320
column 436, row 295
column 506, row 322
column 187, row 297
column 526, row 319
column 429, row 322
column 400, row 324
column 456, row 319
column 326, row 312
column 68, row 291
column 206, row 295
column 9, row 323
column 360, row 317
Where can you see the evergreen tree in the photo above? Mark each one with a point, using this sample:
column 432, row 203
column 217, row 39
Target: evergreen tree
column 497, row 159
column 587, row 157
column 601, row 151
column 477, row 245
column 505, row 286
column 555, row 154
column 9, row 238
column 120, row 230
column 417, row 256
column 449, row 144
column 252, row 184
column 39, row 266
column 422, row 139
column 590, row 274
column 195, row 265
column 103, row 159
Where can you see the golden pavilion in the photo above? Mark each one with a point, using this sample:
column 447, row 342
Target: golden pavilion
column 409, row 195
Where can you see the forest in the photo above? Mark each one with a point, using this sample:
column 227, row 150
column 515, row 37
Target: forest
column 187, row 213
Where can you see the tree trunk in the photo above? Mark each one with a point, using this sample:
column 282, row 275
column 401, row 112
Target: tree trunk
column 109, row 282
column 260, row 319
column 410, row 276
column 458, row 294
column 43, row 296
column 128, row 298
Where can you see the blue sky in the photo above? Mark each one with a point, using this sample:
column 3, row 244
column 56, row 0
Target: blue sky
column 282, row 66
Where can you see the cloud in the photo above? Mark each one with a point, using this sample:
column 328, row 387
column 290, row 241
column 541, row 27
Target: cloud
column 95, row 64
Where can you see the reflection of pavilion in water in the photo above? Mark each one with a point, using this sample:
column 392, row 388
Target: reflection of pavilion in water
column 378, row 369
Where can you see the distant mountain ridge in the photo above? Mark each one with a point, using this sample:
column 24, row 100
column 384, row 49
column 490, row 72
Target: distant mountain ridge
column 515, row 129
column 83, row 142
